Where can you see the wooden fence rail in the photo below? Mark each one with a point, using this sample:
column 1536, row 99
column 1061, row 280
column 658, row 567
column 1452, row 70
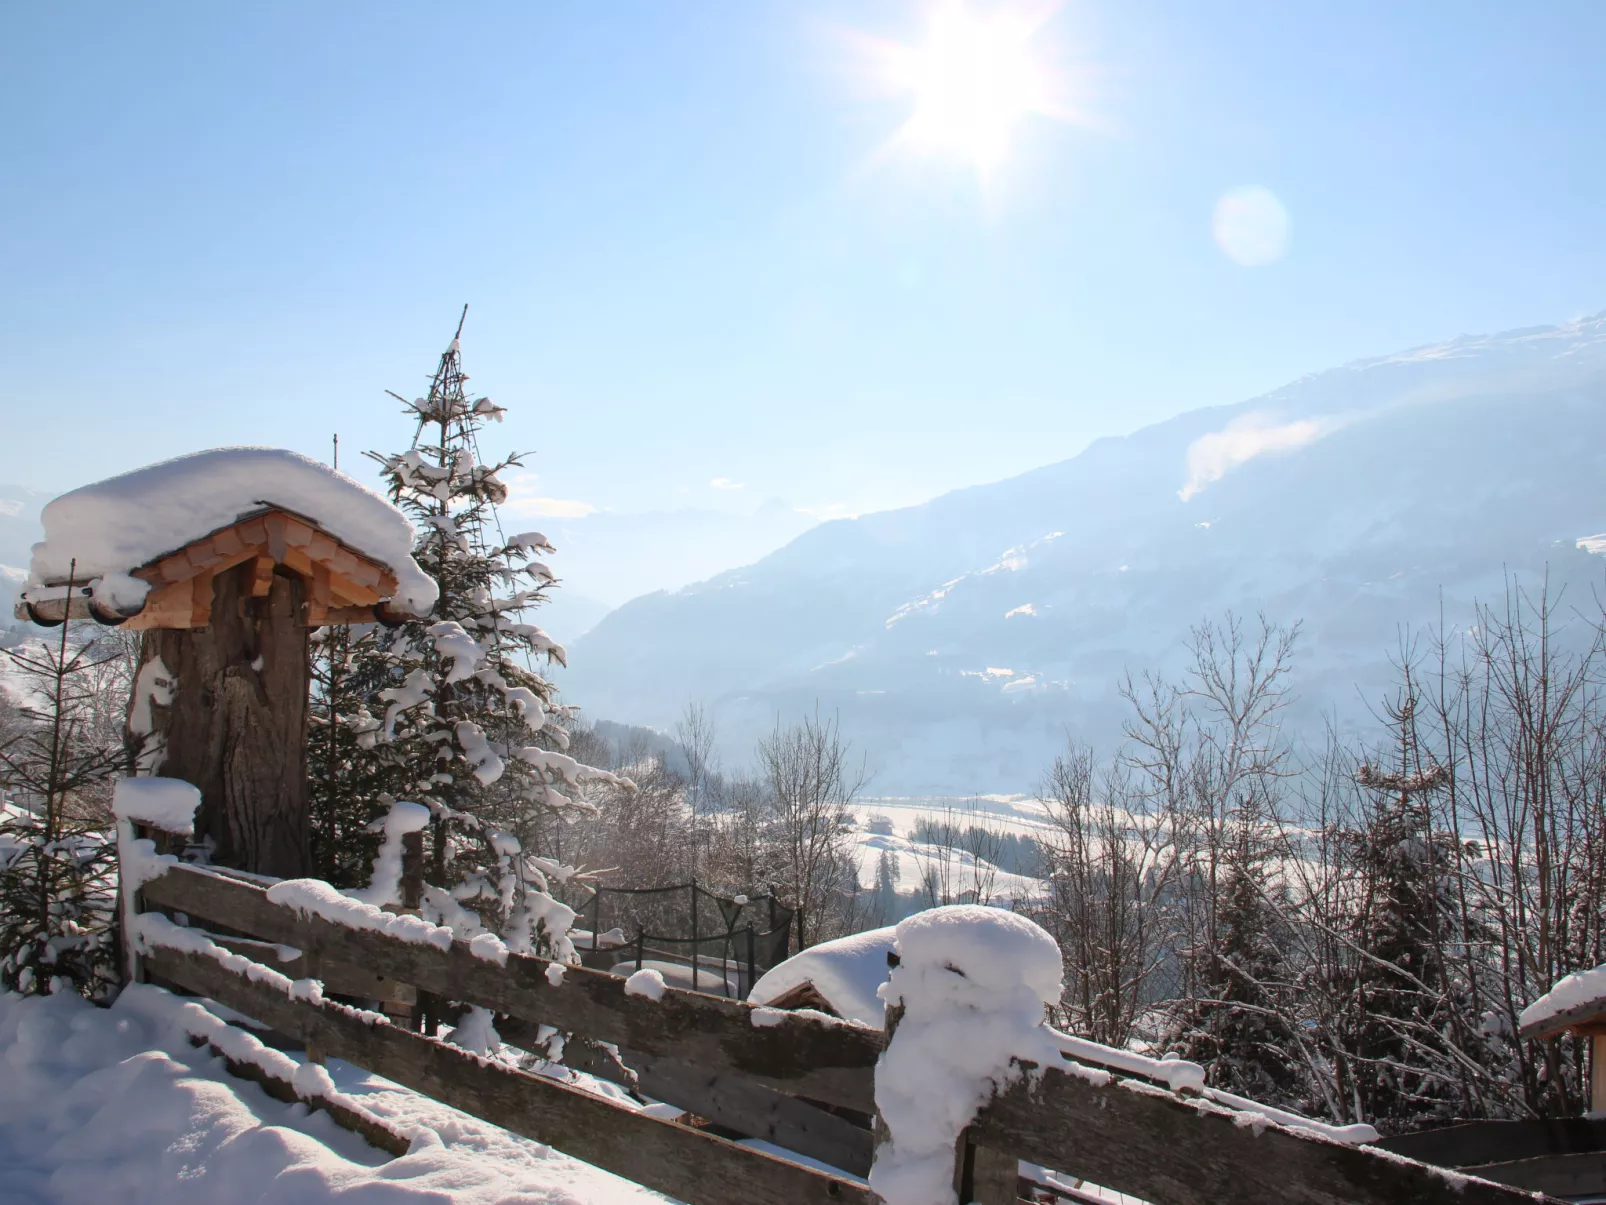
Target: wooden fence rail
column 805, row 1083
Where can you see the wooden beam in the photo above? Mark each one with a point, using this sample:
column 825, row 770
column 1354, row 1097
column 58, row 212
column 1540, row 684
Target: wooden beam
column 689, row 1165
column 276, row 524
column 372, row 1130
column 351, row 615
column 170, row 606
column 228, row 541
column 201, row 599
column 1146, row 1142
column 1597, row 1073
column 261, row 576
column 339, row 978
column 298, row 532
column 1591, row 1011
column 254, row 530
column 730, row 1100
column 805, row 1057
column 353, row 592
column 318, row 596
column 321, row 547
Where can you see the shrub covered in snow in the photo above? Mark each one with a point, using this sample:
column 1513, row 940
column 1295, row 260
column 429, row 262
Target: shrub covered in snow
column 57, row 856
column 450, row 712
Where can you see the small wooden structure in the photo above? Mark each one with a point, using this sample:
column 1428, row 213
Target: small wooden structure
column 1585, row 1019
column 226, row 624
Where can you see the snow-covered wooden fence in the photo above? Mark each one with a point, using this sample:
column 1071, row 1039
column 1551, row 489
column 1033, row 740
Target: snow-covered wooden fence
column 805, row 1083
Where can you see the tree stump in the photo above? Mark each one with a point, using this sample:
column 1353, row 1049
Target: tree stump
column 237, row 724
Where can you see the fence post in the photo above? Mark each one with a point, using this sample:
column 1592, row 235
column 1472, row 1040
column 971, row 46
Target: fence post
column 955, row 971
column 151, row 814
column 695, row 948
column 752, row 977
column 412, row 876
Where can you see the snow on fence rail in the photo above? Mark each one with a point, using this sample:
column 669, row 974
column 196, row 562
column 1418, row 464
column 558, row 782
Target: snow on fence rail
column 806, row 1083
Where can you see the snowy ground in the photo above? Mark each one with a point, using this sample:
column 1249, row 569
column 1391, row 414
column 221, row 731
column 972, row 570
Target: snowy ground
column 1019, row 814
column 114, row 1106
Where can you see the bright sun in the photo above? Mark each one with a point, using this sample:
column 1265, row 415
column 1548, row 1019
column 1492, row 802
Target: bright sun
column 973, row 79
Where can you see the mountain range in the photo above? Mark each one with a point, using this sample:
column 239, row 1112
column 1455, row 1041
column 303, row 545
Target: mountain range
column 963, row 640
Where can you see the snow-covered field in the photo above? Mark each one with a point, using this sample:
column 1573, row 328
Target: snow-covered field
column 887, row 826
column 115, row 1107
column 1019, row 814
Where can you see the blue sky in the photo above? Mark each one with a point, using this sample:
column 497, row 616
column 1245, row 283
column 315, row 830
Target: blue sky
column 696, row 251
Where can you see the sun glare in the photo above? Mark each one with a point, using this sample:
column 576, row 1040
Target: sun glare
column 973, row 79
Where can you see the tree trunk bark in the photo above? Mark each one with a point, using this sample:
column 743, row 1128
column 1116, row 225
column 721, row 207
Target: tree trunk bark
column 237, row 726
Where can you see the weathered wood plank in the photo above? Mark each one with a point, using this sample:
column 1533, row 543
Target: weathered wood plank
column 168, row 606
column 1500, row 1141
column 1568, row 1176
column 731, row 1100
column 693, row 1166
column 1559, row 1023
column 338, row 978
column 353, row 592
column 992, row 1176
column 1151, row 1144
column 802, row 1056
column 261, row 576
column 371, row 1129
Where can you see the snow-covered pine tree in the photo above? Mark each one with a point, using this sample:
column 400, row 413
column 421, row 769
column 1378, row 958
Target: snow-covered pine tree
column 463, row 722
column 57, row 855
column 346, row 787
column 1239, row 1030
column 1404, row 925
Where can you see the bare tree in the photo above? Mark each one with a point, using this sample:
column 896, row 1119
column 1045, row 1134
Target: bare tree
column 811, row 783
column 1113, row 869
column 695, row 734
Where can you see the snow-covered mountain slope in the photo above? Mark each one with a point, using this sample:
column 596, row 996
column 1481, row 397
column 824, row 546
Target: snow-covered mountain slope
column 961, row 639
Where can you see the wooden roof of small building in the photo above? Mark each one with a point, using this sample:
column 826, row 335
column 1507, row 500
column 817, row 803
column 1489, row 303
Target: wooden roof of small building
column 344, row 584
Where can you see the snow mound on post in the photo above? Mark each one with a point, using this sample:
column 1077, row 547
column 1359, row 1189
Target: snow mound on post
column 972, row 984
column 847, row 973
column 1583, row 987
column 168, row 804
column 385, row 886
column 119, row 524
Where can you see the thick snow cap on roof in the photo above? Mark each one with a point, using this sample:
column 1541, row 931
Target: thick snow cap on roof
column 124, row 522
column 1580, row 990
column 845, row 972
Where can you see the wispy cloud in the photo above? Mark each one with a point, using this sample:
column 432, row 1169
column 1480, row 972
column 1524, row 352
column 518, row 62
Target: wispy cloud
column 550, row 508
column 524, row 502
column 1211, row 457
column 725, row 483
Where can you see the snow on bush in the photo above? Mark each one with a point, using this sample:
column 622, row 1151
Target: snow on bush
column 971, row 990
column 119, row 524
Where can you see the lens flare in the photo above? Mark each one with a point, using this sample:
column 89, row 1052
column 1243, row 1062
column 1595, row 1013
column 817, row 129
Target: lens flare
column 1251, row 226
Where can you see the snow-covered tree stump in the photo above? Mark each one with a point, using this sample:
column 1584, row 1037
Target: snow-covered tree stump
column 225, row 559
column 966, row 1003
